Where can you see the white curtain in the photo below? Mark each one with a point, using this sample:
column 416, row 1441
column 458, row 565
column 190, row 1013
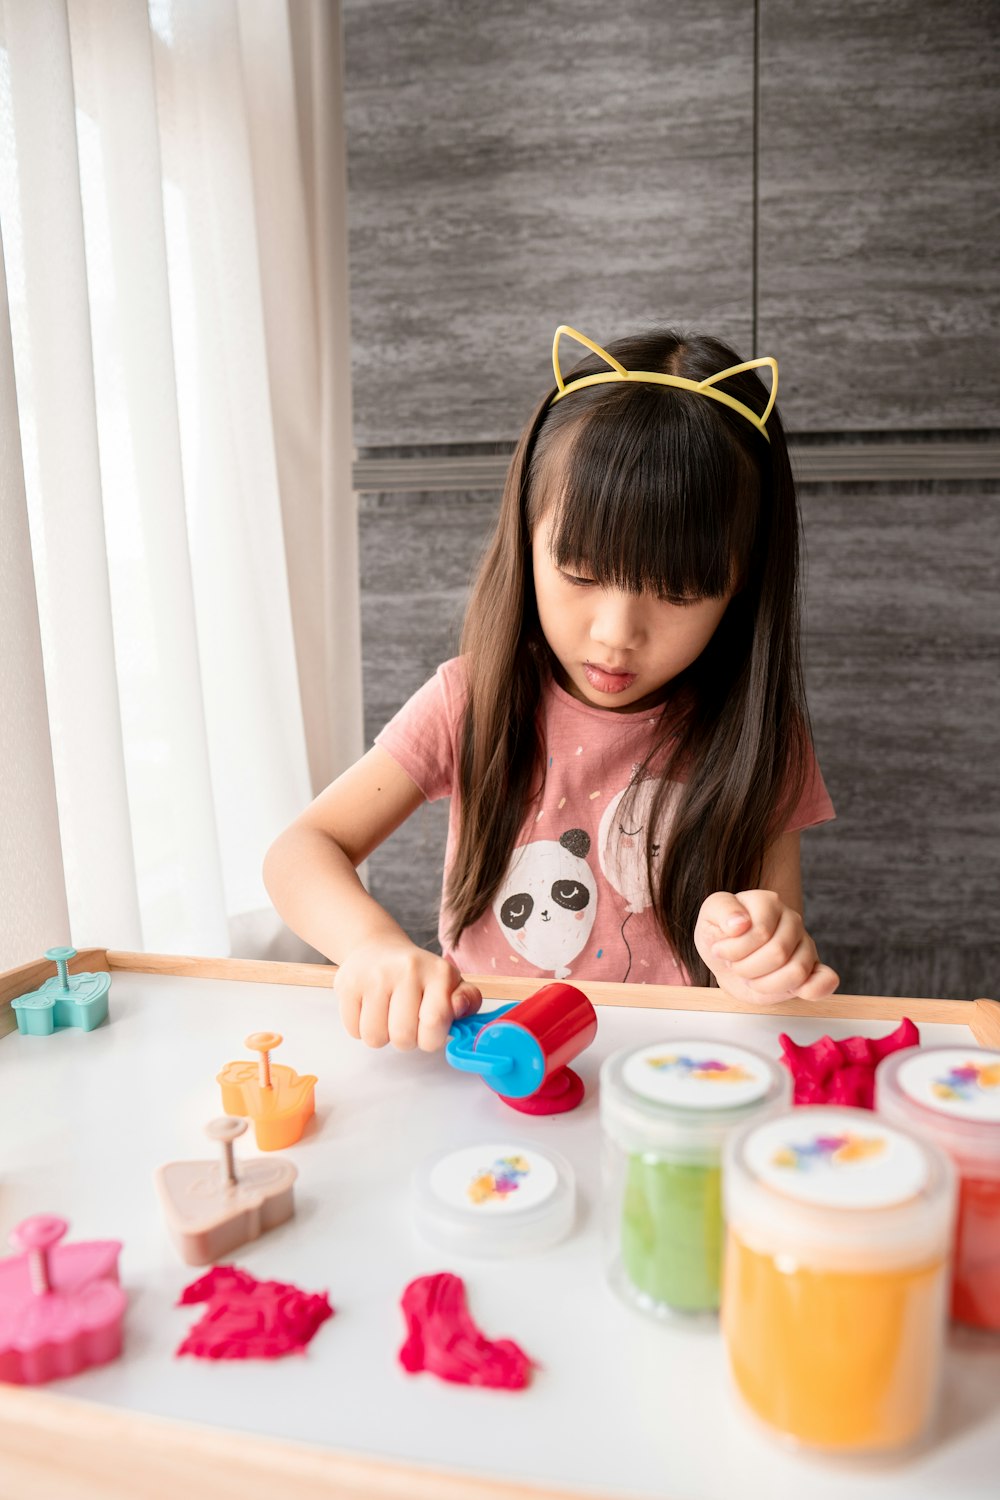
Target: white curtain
column 172, row 205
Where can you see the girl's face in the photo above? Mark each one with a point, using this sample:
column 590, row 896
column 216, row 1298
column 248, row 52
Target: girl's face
column 612, row 649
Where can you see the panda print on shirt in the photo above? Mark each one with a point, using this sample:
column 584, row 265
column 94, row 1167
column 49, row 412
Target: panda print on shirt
column 548, row 901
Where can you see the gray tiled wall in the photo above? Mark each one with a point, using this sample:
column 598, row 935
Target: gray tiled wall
column 514, row 166
column 879, row 216
column 902, row 644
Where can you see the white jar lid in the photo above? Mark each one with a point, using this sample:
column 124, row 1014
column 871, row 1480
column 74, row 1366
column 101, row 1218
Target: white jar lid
column 822, row 1156
column 949, row 1094
column 838, row 1187
column 496, row 1199
column 685, row 1096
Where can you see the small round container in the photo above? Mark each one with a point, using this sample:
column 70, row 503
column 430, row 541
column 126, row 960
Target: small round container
column 951, row 1095
column 836, row 1277
column 498, row 1200
column 666, row 1111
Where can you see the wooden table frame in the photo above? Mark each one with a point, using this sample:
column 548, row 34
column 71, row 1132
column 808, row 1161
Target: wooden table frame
column 54, row 1447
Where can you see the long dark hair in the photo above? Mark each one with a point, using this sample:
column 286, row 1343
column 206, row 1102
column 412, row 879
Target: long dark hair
column 651, row 488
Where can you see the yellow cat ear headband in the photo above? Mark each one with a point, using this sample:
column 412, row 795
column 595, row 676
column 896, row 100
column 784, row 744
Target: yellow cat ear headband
column 707, row 387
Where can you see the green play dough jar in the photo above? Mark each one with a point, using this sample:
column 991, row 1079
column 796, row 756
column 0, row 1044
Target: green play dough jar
column 671, row 1232
column 665, row 1112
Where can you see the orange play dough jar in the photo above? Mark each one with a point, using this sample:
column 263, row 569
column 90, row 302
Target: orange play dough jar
column 836, row 1277
column 951, row 1096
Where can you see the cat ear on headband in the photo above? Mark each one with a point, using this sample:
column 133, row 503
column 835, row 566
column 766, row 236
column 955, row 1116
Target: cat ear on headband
column 617, row 371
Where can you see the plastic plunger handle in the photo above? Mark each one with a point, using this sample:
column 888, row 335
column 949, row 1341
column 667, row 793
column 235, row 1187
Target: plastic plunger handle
column 226, row 1129
column 61, row 957
column 37, row 1236
column 264, row 1042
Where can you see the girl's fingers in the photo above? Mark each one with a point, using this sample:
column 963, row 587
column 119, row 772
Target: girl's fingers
column 822, row 981
column 404, row 1008
column 466, row 1000
column 374, row 1024
column 724, row 914
column 785, row 943
column 436, row 1016
column 787, row 979
column 735, row 950
column 349, row 1003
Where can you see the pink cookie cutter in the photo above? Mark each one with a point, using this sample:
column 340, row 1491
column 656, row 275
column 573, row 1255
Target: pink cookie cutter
column 61, row 1307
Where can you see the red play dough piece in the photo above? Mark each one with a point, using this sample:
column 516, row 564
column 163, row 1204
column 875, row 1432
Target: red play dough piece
column 560, row 1093
column 251, row 1319
column 830, row 1072
column 442, row 1338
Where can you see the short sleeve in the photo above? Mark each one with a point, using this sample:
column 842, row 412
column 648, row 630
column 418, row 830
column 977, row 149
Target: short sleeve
column 422, row 738
column 814, row 805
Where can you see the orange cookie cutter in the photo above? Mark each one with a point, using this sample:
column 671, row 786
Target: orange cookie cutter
column 278, row 1100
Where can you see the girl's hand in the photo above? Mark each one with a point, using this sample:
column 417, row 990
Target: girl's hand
column 759, row 950
column 392, row 991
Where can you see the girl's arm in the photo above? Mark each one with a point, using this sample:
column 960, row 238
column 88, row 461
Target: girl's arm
column 387, row 987
column 755, row 942
column 782, row 871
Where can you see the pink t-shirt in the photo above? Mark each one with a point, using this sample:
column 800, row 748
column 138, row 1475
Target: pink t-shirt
column 575, row 900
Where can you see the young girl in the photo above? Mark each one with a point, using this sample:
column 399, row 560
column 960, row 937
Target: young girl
column 624, row 737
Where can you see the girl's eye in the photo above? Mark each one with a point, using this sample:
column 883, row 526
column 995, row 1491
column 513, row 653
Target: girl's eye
column 577, row 580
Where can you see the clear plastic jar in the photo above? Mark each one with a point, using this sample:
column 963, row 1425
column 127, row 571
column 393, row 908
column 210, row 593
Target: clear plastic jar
column 496, row 1199
column 951, row 1095
column 836, row 1277
column 665, row 1112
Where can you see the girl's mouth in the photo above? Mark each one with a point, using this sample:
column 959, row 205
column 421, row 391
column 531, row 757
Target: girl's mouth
column 605, row 681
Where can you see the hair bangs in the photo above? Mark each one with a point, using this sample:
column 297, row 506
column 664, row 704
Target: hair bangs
column 644, row 496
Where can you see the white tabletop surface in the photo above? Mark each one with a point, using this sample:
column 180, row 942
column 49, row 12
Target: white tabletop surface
column 620, row 1405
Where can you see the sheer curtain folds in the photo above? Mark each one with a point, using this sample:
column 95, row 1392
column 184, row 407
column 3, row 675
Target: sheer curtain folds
column 172, row 383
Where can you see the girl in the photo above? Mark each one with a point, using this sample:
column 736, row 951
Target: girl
column 624, row 737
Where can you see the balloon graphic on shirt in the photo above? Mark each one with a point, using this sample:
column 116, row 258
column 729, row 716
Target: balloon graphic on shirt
column 548, row 901
column 621, row 842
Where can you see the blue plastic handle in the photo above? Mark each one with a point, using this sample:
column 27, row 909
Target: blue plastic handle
column 460, row 1048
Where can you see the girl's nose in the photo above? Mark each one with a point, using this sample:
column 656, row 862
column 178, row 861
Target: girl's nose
column 617, row 621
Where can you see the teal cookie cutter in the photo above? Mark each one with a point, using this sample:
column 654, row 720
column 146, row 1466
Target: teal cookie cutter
column 64, row 1000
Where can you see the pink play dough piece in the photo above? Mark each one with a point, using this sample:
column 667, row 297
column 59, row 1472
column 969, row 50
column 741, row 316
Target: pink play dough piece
column 829, row 1072
column 251, row 1319
column 442, row 1338
column 61, row 1307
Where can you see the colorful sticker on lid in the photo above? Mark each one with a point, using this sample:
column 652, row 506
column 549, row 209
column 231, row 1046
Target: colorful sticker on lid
column 834, row 1159
column 697, row 1075
column 962, row 1082
column 494, row 1179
